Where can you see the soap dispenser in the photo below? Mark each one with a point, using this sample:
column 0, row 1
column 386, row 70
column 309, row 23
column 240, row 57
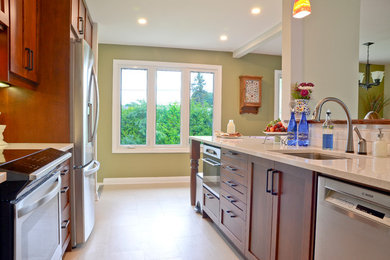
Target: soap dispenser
column 379, row 148
column 231, row 127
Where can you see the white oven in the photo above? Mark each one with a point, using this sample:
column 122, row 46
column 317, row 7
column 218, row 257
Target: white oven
column 38, row 221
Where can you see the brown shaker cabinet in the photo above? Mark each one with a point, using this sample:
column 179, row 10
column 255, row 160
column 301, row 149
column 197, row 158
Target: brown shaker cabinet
column 88, row 30
column 81, row 19
column 4, row 13
column 24, row 51
column 75, row 16
column 295, row 219
column 260, row 204
column 281, row 211
column 211, row 205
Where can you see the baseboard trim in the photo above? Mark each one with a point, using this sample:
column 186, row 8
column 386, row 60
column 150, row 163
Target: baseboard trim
column 146, row 180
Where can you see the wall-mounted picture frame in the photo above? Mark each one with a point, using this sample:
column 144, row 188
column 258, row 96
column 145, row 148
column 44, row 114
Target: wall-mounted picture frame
column 250, row 94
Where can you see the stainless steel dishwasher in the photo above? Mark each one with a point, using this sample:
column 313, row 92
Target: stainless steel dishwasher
column 352, row 222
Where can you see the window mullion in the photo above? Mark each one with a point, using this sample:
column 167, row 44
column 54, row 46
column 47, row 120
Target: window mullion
column 151, row 114
column 185, row 108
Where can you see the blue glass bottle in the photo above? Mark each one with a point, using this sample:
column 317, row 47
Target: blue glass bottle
column 327, row 133
column 303, row 131
column 292, row 131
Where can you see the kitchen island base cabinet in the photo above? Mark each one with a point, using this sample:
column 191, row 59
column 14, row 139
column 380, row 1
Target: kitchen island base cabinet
column 280, row 212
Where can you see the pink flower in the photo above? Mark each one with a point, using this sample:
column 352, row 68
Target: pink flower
column 302, row 84
column 310, row 84
column 304, row 92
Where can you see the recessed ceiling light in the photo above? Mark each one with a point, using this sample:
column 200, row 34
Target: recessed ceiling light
column 255, row 10
column 223, row 37
column 142, row 21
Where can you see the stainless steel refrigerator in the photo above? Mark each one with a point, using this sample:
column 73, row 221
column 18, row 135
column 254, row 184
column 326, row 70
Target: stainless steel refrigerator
column 84, row 121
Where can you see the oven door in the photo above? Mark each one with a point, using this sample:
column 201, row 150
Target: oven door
column 211, row 174
column 37, row 222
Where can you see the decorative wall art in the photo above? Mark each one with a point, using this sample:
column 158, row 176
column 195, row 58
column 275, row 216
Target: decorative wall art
column 250, row 94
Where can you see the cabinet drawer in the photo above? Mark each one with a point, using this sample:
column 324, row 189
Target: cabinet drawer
column 234, row 202
column 234, row 188
column 65, row 223
column 230, row 218
column 211, row 203
column 237, row 174
column 235, row 158
column 64, row 197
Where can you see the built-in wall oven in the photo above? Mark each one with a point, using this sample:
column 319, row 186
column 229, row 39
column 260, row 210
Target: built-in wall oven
column 30, row 207
column 211, row 168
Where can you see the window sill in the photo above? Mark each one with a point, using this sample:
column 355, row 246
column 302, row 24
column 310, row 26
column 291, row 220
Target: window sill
column 127, row 149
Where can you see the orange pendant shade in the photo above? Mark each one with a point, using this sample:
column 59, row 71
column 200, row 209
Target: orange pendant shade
column 301, row 8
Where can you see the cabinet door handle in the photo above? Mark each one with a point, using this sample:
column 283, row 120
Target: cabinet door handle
column 28, row 58
column 231, row 184
column 81, row 21
column 232, row 153
column 266, row 185
column 64, row 189
column 230, row 168
column 32, row 60
column 65, row 224
column 231, row 199
column 209, row 196
column 230, row 213
column 64, row 172
column 273, row 192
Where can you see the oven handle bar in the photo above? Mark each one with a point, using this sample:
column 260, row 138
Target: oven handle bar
column 50, row 195
column 211, row 162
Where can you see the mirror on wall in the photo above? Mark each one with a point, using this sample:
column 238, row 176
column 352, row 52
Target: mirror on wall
column 374, row 44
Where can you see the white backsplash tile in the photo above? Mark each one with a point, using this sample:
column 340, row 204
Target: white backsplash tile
column 368, row 132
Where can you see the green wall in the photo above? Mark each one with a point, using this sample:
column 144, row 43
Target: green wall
column 374, row 90
column 158, row 165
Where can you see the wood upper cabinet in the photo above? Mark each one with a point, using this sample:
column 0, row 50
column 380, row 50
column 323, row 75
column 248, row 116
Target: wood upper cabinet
column 281, row 211
column 88, row 30
column 24, row 51
column 78, row 18
column 4, row 13
column 75, row 16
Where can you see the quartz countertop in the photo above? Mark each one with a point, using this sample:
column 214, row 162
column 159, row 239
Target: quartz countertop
column 364, row 169
column 33, row 146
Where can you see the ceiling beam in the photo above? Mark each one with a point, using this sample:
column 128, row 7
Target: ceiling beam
column 255, row 43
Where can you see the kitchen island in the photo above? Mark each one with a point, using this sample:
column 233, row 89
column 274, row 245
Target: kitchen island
column 268, row 210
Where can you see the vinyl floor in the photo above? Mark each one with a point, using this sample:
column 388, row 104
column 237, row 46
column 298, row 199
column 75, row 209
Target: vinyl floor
column 151, row 222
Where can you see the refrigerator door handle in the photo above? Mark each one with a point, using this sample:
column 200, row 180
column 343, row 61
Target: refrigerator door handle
column 93, row 169
column 96, row 87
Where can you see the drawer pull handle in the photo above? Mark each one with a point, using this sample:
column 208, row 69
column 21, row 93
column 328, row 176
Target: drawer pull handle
column 65, row 224
column 64, row 172
column 230, row 213
column 273, row 192
column 266, row 185
column 230, row 168
column 232, row 153
column 64, row 189
column 209, row 196
column 231, row 199
column 231, row 184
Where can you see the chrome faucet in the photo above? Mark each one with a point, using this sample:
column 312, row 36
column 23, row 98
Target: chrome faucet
column 317, row 115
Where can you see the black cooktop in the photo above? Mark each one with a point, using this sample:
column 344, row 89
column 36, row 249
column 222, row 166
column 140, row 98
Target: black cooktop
column 19, row 165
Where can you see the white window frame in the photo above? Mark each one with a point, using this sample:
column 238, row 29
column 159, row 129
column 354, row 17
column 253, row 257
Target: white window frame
column 277, row 95
column 152, row 67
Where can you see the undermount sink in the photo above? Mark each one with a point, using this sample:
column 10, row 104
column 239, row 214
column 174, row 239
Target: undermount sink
column 315, row 155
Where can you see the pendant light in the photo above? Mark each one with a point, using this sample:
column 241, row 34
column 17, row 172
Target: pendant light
column 377, row 76
column 301, row 8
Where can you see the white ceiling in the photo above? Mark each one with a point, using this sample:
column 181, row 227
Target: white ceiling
column 198, row 24
column 187, row 24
